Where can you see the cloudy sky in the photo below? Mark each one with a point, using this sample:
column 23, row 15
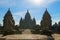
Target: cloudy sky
column 36, row 8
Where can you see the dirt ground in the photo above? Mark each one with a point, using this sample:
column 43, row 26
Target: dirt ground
column 56, row 36
column 30, row 36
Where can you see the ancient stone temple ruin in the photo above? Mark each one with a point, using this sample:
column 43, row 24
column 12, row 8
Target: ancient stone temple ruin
column 27, row 28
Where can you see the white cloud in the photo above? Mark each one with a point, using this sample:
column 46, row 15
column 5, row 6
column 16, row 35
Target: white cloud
column 36, row 2
column 38, row 22
column 25, row 3
column 17, row 16
column 40, row 2
column 55, row 21
column 19, row 13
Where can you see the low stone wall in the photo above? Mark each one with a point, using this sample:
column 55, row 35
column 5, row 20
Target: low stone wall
column 25, row 37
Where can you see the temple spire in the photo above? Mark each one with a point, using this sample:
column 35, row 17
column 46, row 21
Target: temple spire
column 46, row 20
column 27, row 16
column 8, row 9
column 9, row 12
column 8, row 22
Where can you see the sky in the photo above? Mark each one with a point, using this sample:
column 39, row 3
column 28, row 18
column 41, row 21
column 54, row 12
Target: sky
column 36, row 9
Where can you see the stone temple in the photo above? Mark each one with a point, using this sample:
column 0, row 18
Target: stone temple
column 27, row 28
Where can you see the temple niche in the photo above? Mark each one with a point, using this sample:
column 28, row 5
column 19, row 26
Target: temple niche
column 27, row 22
column 46, row 21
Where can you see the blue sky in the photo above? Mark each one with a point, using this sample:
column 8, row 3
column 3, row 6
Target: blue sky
column 36, row 8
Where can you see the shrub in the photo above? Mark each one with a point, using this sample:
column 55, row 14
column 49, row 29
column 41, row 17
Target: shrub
column 46, row 32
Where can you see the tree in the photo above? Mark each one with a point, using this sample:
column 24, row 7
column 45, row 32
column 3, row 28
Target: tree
column 0, row 24
column 36, row 29
column 17, row 30
column 8, row 22
column 55, row 27
column 34, row 22
column 0, row 28
column 46, row 21
column 58, row 27
column 20, row 23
